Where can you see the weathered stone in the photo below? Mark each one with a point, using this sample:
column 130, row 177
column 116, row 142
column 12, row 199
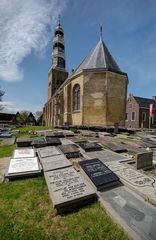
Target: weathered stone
column 140, row 183
column 23, row 142
column 116, row 147
column 70, row 150
column 66, row 141
column 136, row 216
column 55, row 162
column 53, row 141
column 144, row 160
column 4, row 164
column 39, row 142
column 24, row 153
column 90, row 146
column 48, row 152
column 101, row 176
column 48, row 134
column 106, row 156
column 58, row 134
column 7, row 142
column 68, row 189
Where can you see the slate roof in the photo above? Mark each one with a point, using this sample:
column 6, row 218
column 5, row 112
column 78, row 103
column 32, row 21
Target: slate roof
column 145, row 102
column 98, row 58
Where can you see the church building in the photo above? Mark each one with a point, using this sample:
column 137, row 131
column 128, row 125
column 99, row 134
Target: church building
column 93, row 95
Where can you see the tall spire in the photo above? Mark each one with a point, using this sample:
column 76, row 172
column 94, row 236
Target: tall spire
column 58, row 54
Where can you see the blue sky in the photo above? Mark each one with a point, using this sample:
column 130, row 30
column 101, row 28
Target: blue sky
column 129, row 31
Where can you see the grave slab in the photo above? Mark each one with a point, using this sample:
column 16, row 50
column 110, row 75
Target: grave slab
column 8, row 141
column 5, row 135
column 39, row 142
column 66, row 141
column 142, row 184
column 100, row 175
column 90, row 146
column 116, row 147
column 23, row 142
column 55, row 162
column 48, row 151
column 144, row 160
column 23, row 153
column 53, row 141
column 107, row 156
column 22, row 167
column 68, row 189
column 70, row 150
column 137, row 217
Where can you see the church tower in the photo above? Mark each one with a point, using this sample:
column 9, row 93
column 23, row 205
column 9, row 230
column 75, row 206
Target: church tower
column 57, row 73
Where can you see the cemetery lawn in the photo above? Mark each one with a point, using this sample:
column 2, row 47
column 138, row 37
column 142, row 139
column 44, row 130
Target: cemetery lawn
column 26, row 213
column 7, row 151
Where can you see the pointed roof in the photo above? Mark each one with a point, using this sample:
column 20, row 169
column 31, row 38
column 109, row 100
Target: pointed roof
column 98, row 58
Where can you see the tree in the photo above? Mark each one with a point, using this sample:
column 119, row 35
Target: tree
column 1, row 95
column 22, row 117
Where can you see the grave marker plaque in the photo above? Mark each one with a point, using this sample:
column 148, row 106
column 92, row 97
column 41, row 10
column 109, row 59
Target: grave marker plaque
column 90, row 146
column 99, row 173
column 39, row 142
column 48, row 151
column 144, row 160
column 24, row 153
column 68, row 189
column 53, row 141
column 23, row 142
column 8, row 141
column 70, row 150
column 55, row 162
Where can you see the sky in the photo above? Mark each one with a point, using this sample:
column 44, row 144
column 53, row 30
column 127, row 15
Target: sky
column 26, row 34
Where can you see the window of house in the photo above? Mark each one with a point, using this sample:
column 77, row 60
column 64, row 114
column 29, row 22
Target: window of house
column 143, row 116
column 76, row 97
column 133, row 116
column 126, row 117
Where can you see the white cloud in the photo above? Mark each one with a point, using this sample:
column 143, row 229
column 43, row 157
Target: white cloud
column 9, row 107
column 24, row 27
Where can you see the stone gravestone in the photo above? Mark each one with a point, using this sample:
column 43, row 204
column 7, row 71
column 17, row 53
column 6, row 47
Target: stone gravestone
column 116, row 128
column 106, row 156
column 7, row 142
column 39, row 142
column 23, row 142
column 68, row 189
column 53, row 141
column 24, row 153
column 20, row 167
column 48, row 152
column 58, row 134
column 116, row 147
column 140, row 183
column 70, row 150
column 100, row 175
column 5, row 135
column 55, row 162
column 144, row 160
column 90, row 146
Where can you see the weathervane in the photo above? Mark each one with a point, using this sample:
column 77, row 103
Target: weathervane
column 101, row 32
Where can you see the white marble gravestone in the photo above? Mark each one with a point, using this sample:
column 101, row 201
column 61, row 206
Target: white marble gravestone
column 21, row 165
column 67, row 188
column 55, row 162
column 24, row 153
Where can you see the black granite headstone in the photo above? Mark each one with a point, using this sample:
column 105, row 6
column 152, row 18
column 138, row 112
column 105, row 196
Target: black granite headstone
column 90, row 146
column 58, row 134
column 39, row 142
column 99, row 173
column 53, row 141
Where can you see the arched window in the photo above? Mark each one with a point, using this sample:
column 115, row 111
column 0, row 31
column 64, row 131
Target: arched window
column 76, row 97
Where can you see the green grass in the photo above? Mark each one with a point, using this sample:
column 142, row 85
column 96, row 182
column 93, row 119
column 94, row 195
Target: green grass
column 7, row 151
column 29, row 128
column 26, row 213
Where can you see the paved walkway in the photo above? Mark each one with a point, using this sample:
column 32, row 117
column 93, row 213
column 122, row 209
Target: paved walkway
column 4, row 163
